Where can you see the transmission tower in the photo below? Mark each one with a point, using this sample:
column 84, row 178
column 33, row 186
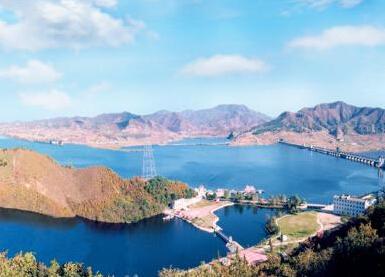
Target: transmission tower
column 149, row 168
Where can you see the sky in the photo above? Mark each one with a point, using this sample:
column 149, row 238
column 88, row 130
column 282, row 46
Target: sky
column 87, row 57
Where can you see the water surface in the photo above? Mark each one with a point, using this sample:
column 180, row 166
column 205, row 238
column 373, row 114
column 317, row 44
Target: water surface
column 276, row 169
column 246, row 224
column 142, row 248
column 152, row 244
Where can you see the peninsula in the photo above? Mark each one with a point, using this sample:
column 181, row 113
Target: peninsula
column 34, row 182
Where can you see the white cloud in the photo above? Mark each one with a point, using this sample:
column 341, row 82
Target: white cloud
column 32, row 73
column 350, row 3
column 75, row 24
column 51, row 100
column 98, row 88
column 224, row 65
column 342, row 36
column 322, row 4
column 106, row 3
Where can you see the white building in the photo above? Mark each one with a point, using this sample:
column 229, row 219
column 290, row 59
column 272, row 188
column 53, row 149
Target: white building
column 201, row 191
column 249, row 190
column 350, row 205
column 220, row 193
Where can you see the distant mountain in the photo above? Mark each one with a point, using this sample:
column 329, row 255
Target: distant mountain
column 220, row 120
column 330, row 125
column 125, row 129
column 337, row 117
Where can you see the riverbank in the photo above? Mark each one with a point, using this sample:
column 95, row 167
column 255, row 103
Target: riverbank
column 202, row 214
column 354, row 143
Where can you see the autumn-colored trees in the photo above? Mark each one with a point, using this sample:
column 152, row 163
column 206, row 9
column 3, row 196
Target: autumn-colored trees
column 26, row 265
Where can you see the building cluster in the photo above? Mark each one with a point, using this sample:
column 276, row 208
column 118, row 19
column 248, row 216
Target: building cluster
column 352, row 206
column 249, row 192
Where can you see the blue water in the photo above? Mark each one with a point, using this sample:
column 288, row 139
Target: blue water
column 246, row 224
column 146, row 247
column 275, row 169
column 142, row 248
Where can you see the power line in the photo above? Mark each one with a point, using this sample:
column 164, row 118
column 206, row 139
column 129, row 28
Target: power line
column 149, row 168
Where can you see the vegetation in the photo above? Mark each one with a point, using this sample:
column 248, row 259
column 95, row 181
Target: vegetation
column 3, row 162
column 292, row 203
column 165, row 191
column 211, row 196
column 271, row 226
column 356, row 248
column 26, row 265
column 299, row 225
column 34, row 182
column 136, row 199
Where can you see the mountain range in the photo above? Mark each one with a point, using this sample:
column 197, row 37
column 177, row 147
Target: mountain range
column 126, row 129
column 330, row 125
column 337, row 117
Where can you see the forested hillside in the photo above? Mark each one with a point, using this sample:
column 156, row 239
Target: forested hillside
column 33, row 182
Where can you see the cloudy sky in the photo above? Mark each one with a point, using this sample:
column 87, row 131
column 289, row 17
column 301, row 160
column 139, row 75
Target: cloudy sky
column 85, row 57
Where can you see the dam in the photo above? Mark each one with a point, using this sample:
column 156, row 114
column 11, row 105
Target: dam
column 359, row 158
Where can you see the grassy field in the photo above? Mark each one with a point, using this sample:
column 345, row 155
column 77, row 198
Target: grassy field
column 299, row 225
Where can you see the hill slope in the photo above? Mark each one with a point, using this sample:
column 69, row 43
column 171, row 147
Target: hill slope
column 125, row 129
column 34, row 182
column 334, row 117
column 329, row 125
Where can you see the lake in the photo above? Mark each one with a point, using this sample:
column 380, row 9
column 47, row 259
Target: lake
column 149, row 245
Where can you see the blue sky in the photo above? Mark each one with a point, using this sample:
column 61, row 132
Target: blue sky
column 86, row 57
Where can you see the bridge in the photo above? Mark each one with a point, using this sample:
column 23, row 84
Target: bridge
column 232, row 245
column 378, row 163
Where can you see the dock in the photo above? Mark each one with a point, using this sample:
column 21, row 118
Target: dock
column 354, row 157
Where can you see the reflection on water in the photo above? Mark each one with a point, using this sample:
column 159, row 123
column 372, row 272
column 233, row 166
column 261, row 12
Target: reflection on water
column 36, row 220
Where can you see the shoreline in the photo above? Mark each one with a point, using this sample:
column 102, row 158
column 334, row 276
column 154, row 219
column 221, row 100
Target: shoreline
column 122, row 146
column 211, row 212
column 217, row 219
column 353, row 148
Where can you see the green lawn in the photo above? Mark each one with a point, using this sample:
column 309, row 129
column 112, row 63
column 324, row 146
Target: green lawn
column 298, row 226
